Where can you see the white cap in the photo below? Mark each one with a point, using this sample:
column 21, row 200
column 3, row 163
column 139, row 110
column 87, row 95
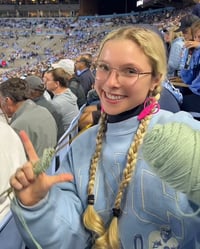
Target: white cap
column 65, row 64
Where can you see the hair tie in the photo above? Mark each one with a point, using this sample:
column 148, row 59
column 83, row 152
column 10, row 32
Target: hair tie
column 116, row 212
column 151, row 106
column 90, row 199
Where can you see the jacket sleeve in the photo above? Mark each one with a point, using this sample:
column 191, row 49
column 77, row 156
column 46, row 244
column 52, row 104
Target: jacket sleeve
column 187, row 75
column 55, row 222
column 191, row 76
column 175, row 56
column 195, row 86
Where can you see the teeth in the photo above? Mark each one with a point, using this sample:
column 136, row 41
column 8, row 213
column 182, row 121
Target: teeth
column 113, row 97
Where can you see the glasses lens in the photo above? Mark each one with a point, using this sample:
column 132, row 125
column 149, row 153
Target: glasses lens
column 124, row 74
column 102, row 71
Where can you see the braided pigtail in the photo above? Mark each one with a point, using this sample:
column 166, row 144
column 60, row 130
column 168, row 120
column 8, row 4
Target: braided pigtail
column 112, row 234
column 91, row 219
column 156, row 92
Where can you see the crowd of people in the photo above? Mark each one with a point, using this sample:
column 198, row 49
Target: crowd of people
column 100, row 194
column 27, row 40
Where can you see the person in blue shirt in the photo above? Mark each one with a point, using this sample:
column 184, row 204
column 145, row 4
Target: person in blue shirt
column 175, row 53
column 104, row 195
column 190, row 74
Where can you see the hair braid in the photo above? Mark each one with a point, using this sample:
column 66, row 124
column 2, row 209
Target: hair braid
column 156, row 92
column 112, row 233
column 91, row 219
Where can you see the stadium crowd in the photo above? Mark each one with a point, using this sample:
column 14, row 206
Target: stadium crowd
column 48, row 69
column 37, row 43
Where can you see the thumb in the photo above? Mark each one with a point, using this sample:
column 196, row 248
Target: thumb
column 65, row 177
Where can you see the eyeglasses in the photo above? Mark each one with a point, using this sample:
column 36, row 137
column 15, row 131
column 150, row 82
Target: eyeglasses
column 78, row 61
column 125, row 73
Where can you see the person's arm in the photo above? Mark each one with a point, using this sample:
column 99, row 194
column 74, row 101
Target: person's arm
column 175, row 56
column 192, row 44
column 55, row 222
column 188, row 73
column 191, row 76
column 47, row 210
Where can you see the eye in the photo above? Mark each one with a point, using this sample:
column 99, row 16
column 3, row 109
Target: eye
column 102, row 67
column 129, row 71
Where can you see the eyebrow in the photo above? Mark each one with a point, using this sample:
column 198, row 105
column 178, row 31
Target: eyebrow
column 123, row 65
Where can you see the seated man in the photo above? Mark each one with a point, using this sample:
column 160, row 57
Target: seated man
column 24, row 114
column 37, row 90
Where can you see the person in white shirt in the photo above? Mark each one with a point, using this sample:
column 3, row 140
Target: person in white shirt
column 12, row 155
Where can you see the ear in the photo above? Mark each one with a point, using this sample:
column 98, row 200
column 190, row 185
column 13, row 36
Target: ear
column 57, row 83
column 8, row 100
column 156, row 82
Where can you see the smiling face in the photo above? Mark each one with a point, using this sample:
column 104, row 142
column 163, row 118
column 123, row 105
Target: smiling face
column 119, row 93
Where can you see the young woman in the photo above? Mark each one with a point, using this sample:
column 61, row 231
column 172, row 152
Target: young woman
column 104, row 194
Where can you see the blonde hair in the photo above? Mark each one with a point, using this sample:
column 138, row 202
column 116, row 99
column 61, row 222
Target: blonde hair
column 149, row 41
column 153, row 47
column 173, row 34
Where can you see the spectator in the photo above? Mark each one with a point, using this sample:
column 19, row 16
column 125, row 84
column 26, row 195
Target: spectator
column 64, row 100
column 37, row 90
column 190, row 74
column 185, row 26
column 73, row 83
column 12, row 155
column 175, row 53
column 25, row 115
column 83, row 72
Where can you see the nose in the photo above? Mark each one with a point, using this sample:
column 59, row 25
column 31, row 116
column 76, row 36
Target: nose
column 113, row 78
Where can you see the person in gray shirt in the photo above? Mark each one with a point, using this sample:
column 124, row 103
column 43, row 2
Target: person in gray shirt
column 64, row 100
column 37, row 90
column 25, row 115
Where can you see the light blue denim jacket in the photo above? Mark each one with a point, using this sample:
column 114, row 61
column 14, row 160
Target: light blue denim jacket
column 191, row 74
column 175, row 55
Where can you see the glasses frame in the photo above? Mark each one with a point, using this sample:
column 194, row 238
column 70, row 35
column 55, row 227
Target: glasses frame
column 118, row 72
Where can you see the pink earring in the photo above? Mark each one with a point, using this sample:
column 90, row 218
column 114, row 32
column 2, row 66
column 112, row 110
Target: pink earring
column 151, row 106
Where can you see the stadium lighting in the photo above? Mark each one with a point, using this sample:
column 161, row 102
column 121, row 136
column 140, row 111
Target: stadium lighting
column 139, row 3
